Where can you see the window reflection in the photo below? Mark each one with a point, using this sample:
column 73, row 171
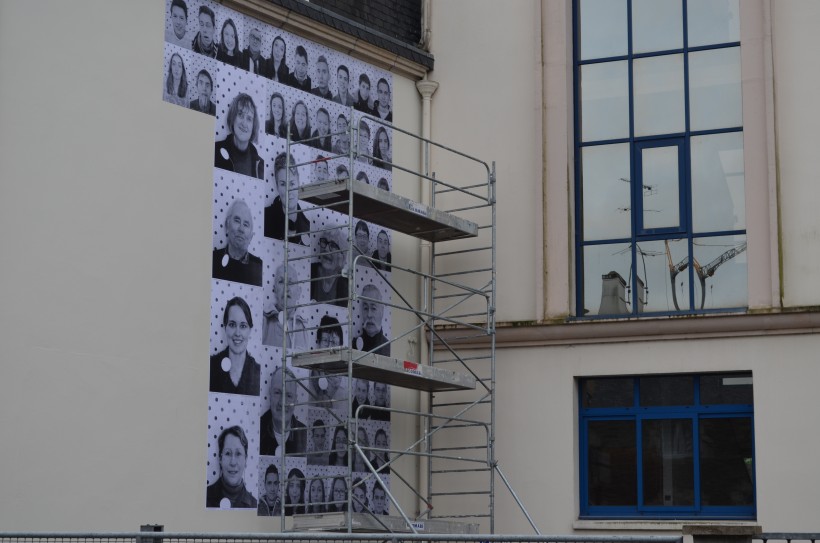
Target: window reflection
column 718, row 196
column 713, row 21
column 665, row 289
column 607, row 279
column 668, row 471
column 604, row 101
column 605, row 178
column 720, row 271
column 603, row 28
column 714, row 89
column 657, row 25
column 608, row 392
column 661, row 187
column 726, row 462
column 659, row 107
column 726, row 388
column 612, row 467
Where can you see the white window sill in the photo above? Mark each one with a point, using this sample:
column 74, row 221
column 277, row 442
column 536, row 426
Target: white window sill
column 653, row 525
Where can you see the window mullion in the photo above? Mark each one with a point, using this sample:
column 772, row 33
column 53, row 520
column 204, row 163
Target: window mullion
column 639, row 459
column 696, row 459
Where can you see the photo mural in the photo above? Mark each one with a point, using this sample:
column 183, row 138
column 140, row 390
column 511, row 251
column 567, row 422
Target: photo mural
column 261, row 84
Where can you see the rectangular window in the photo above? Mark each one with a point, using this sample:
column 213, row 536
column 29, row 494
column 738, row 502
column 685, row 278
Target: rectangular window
column 660, row 204
column 671, row 446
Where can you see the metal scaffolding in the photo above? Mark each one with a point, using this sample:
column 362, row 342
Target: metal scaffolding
column 453, row 286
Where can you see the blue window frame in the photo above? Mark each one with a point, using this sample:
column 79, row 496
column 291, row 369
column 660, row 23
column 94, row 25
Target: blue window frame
column 670, row 446
column 660, row 207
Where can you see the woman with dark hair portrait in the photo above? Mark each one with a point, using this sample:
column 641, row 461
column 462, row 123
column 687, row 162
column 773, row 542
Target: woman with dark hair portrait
column 338, row 495
column 359, row 502
column 338, row 456
column 276, row 68
column 229, row 491
column 316, row 492
column 237, row 152
column 299, row 122
column 276, row 125
column 382, row 155
column 295, row 493
column 234, row 370
column 228, row 49
column 176, row 84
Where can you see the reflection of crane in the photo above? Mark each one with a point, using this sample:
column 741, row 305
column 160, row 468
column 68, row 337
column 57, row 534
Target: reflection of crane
column 674, row 270
column 649, row 189
column 703, row 272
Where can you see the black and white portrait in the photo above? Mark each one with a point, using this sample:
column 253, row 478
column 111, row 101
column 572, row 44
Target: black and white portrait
column 262, row 86
column 234, row 261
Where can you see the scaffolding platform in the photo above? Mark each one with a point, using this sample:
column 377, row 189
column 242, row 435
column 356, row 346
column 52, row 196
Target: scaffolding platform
column 388, row 210
column 365, row 522
column 375, row 367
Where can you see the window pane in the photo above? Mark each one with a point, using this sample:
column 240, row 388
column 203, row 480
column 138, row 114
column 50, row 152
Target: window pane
column 659, row 95
column 657, row 25
column 661, row 187
column 726, row 464
column 726, row 388
column 713, row 21
column 673, row 390
column 606, row 274
column 718, row 197
column 655, row 278
column 608, row 392
column 605, row 184
column 603, row 28
column 668, row 471
column 714, row 89
column 604, row 101
column 612, row 463
column 721, row 272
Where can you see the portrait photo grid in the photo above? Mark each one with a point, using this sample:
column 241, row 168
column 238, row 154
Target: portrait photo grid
column 261, row 84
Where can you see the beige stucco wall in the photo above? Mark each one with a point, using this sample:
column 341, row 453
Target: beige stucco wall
column 537, row 441
column 105, row 199
column 105, row 202
column 797, row 84
column 488, row 104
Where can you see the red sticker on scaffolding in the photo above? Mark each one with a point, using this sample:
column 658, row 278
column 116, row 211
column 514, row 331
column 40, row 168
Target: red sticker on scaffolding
column 411, row 367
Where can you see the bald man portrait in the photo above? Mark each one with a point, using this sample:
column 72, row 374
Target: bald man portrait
column 234, row 262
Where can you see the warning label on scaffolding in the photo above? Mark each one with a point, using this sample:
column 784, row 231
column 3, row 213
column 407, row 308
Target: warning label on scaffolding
column 412, row 367
column 417, row 208
column 418, row 526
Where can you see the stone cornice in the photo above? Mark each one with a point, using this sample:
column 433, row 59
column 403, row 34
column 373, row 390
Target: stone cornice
column 636, row 330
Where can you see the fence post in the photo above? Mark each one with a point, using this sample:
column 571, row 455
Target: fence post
column 150, row 528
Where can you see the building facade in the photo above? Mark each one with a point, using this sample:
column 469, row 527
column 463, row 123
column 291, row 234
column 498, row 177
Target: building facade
column 657, row 256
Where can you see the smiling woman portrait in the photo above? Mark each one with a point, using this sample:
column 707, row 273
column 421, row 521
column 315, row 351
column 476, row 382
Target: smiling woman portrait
column 229, row 491
column 237, row 152
column 234, row 370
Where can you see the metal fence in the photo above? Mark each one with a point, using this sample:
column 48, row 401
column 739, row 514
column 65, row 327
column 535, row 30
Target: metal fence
column 170, row 537
column 787, row 537
column 158, row 536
